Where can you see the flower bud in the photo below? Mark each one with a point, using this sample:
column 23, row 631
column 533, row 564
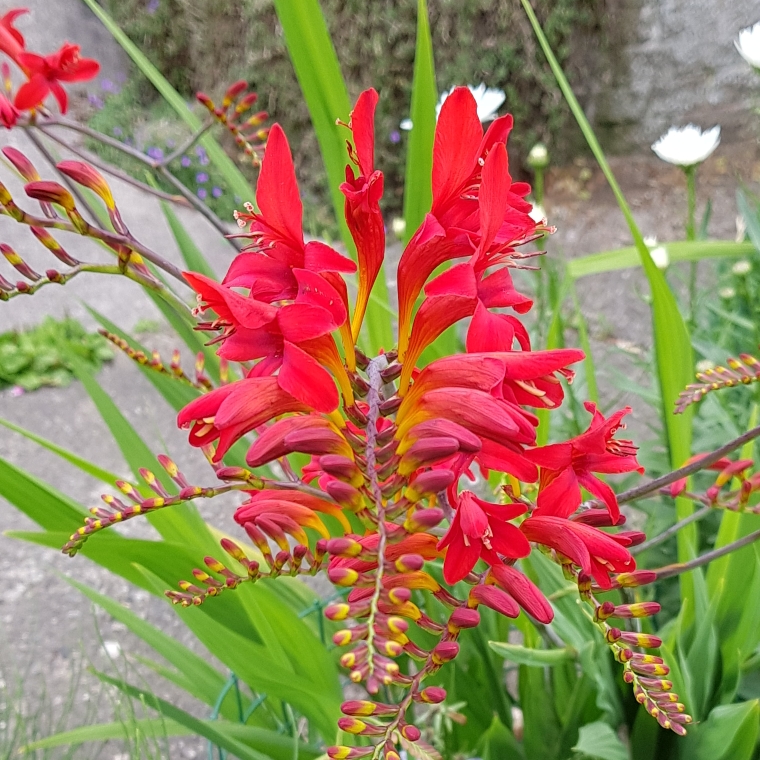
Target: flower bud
column 21, row 163
column 338, row 611
column 652, row 683
column 432, row 695
column 89, row 177
column 50, row 192
column 495, row 598
column 348, row 753
column 231, row 548
column 397, row 625
column 538, row 157
column 409, row 562
column 346, row 495
column 635, row 610
column 426, row 483
column 342, row 576
column 630, row 537
column 356, row 726
column 445, row 651
column 362, row 707
column 597, row 518
column 18, row 263
column 342, row 468
column 232, row 92
column 647, row 669
column 463, row 617
column 636, row 578
column 415, row 580
column 344, row 547
column 423, row 519
column 427, row 451
column 412, row 733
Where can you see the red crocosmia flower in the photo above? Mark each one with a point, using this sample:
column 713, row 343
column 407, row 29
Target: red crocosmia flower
column 267, row 267
column 565, row 467
column 11, row 40
column 363, row 193
column 480, row 526
column 47, row 72
column 598, row 554
column 229, row 412
column 452, row 227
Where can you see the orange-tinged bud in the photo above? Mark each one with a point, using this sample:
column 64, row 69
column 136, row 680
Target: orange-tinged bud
column 18, row 263
column 391, row 754
column 346, row 495
column 645, row 669
column 635, row 610
column 205, row 100
column 463, row 617
column 397, row 625
column 445, row 651
column 352, row 725
column 348, row 753
column 359, row 707
column 342, row 468
column 232, row 92
column 412, row 733
column 50, row 192
column 426, row 483
column 231, row 548
column 339, row 611
column 423, row 519
column 399, row 595
column 636, row 578
column 495, row 598
column 344, row 547
column 409, row 563
column 21, row 163
column 392, row 648
column 432, row 695
column 89, row 177
column 342, row 576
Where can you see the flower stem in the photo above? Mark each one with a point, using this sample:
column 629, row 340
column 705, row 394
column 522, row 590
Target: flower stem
column 691, row 234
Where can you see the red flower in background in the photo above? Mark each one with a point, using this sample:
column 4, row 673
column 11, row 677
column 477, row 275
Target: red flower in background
column 565, row 467
column 12, row 42
column 47, row 72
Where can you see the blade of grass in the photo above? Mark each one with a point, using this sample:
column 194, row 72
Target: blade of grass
column 418, row 187
column 675, row 361
column 190, row 252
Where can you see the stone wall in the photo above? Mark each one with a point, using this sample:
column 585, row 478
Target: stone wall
column 671, row 62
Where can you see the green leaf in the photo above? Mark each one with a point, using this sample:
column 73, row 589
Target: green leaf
column 191, row 254
column 318, row 71
column 682, row 250
column 751, row 218
column 729, row 733
column 205, row 681
column 599, row 741
column 215, row 731
column 232, row 175
column 534, row 657
column 418, row 187
column 48, row 507
column 675, row 360
column 83, row 464
column 498, row 743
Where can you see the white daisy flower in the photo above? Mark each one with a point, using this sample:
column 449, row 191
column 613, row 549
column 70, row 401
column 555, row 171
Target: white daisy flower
column 659, row 253
column 488, row 100
column 748, row 45
column 742, row 268
column 687, row 146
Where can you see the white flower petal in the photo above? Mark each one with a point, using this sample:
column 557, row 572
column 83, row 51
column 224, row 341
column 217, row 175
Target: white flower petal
column 687, row 146
column 748, row 45
column 488, row 100
column 406, row 125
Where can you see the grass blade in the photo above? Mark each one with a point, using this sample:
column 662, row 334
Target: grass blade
column 418, row 187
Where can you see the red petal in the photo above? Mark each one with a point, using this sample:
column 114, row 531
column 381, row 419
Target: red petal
column 60, row 95
column 524, row 591
column 305, row 379
column 602, row 491
column 455, row 151
column 472, row 518
column 460, row 558
column 319, row 257
column 315, row 290
column 489, row 332
column 508, row 540
column 494, row 456
column 299, row 322
column 245, row 345
column 561, row 495
column 268, row 279
column 86, row 68
column 457, row 281
column 277, row 190
column 363, row 129
column 493, row 195
column 229, row 305
column 497, row 290
column 32, row 93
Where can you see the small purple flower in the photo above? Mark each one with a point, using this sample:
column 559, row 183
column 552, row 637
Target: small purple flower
column 201, row 177
column 117, row 131
column 155, row 153
column 217, row 192
column 202, row 193
column 395, row 136
column 200, row 151
column 17, row 391
column 170, row 143
column 203, row 160
column 95, row 101
column 186, row 161
column 152, row 6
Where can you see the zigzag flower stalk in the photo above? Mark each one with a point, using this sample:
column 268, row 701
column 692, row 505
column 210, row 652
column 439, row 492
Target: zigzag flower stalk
column 391, row 445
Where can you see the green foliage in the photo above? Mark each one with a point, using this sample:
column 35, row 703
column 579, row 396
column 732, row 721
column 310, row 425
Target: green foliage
column 474, row 41
column 43, row 355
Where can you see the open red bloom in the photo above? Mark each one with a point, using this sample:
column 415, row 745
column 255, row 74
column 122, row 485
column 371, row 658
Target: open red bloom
column 479, row 526
column 565, row 467
column 363, row 194
column 11, row 40
column 598, row 554
column 47, row 72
